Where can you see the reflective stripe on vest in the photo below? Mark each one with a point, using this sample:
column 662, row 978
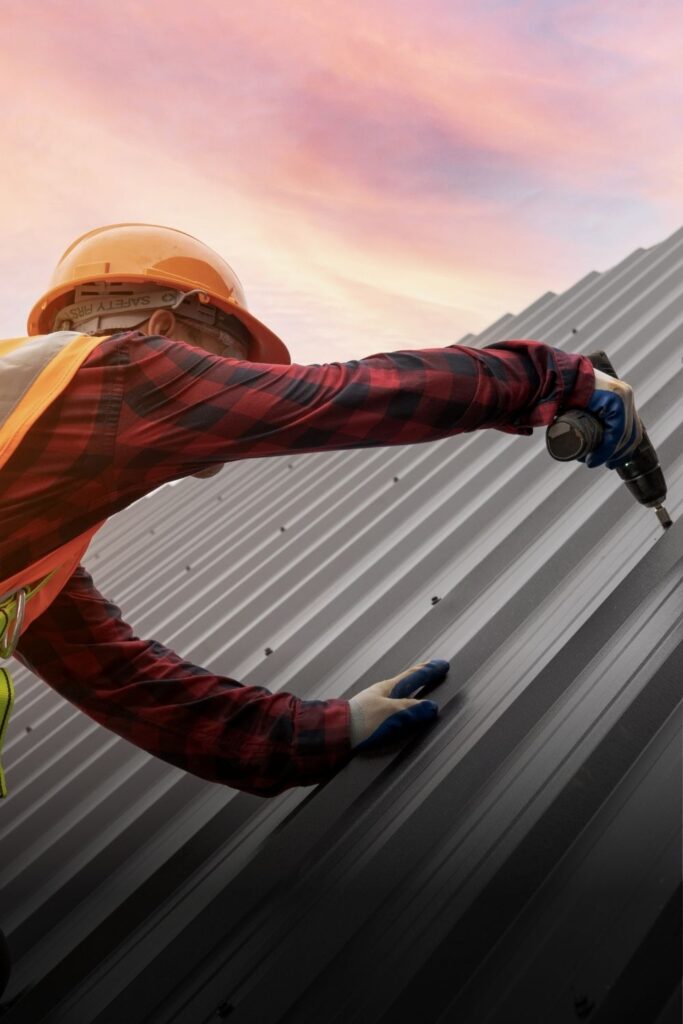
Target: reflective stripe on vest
column 33, row 373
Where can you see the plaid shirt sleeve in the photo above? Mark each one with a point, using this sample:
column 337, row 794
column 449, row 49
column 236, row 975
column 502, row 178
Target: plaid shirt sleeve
column 143, row 411
column 184, row 409
column 210, row 725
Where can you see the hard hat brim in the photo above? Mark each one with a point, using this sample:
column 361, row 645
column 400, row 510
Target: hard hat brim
column 266, row 348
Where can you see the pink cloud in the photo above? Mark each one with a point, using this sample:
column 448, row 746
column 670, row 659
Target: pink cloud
column 452, row 161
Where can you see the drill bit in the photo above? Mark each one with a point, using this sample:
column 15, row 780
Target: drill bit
column 663, row 516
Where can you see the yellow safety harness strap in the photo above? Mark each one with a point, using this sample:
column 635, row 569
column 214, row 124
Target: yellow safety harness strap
column 11, row 615
column 6, row 702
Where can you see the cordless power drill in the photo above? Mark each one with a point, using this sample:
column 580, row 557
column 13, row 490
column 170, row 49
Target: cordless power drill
column 576, row 432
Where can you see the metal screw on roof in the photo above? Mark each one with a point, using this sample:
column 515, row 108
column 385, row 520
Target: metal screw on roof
column 268, row 651
column 574, row 330
column 395, row 479
column 435, row 600
column 282, row 529
column 29, row 728
column 188, row 568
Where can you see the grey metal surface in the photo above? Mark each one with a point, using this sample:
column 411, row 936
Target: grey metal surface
column 518, row 861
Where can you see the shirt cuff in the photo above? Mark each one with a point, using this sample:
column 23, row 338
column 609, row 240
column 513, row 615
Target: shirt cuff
column 574, row 384
column 322, row 739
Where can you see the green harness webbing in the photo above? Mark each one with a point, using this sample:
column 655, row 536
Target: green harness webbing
column 11, row 614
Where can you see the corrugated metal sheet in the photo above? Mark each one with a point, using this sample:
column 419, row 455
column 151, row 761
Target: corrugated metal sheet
column 520, row 861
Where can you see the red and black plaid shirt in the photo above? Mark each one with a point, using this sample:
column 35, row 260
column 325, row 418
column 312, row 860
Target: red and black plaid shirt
column 142, row 411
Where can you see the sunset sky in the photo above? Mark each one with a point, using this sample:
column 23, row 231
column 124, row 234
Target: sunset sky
column 381, row 175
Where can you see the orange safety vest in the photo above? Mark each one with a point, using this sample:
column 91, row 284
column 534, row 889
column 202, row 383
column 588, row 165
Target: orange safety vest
column 33, row 373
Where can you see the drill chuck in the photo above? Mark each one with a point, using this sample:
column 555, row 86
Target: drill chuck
column 576, row 432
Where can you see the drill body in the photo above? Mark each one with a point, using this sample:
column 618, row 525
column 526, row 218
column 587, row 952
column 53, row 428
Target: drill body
column 576, row 432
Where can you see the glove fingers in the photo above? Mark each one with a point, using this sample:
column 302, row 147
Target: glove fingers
column 633, row 442
column 613, row 402
column 399, row 725
column 430, row 673
column 604, row 455
column 612, row 413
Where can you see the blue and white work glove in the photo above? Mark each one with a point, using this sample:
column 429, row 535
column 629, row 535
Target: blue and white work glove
column 385, row 711
column 613, row 404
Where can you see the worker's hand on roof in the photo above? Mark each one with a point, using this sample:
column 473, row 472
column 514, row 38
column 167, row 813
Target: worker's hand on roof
column 385, row 711
column 613, row 403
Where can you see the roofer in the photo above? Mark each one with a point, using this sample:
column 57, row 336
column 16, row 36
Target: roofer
column 142, row 365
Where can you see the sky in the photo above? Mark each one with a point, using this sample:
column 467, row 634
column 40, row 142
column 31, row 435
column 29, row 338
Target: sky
column 381, row 175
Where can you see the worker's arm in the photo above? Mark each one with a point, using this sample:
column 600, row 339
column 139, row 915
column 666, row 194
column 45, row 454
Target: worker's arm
column 144, row 411
column 185, row 409
column 208, row 724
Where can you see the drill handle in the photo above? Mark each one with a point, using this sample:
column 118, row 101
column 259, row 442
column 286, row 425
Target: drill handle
column 576, row 432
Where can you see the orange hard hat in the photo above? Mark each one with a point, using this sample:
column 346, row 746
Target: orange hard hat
column 140, row 253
